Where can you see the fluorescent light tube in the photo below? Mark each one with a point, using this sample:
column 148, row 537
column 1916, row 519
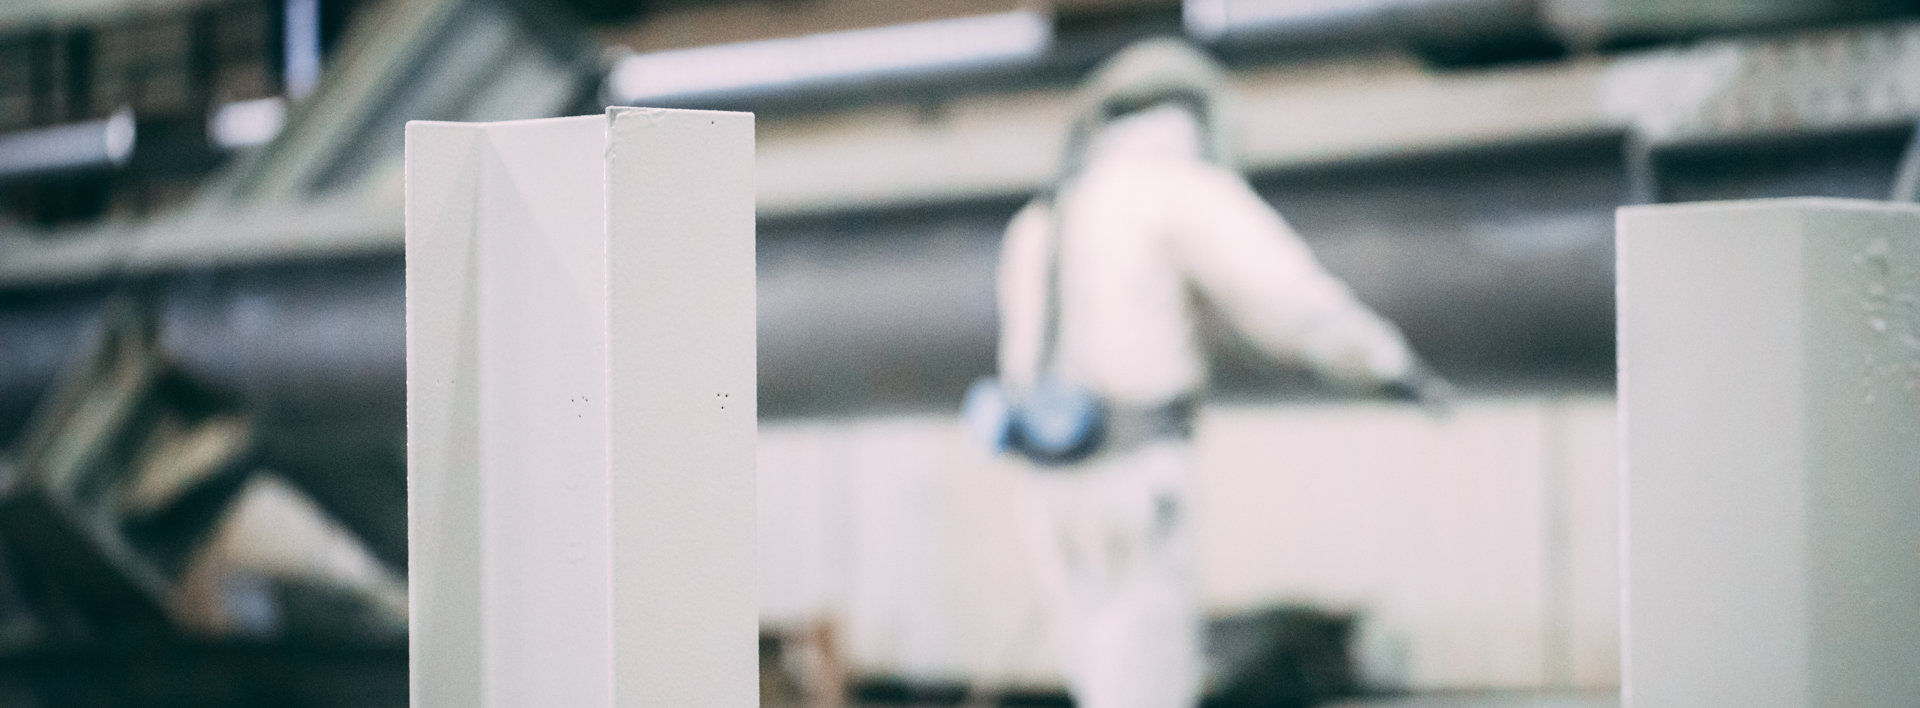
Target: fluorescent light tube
column 919, row 48
column 92, row 144
column 1210, row 20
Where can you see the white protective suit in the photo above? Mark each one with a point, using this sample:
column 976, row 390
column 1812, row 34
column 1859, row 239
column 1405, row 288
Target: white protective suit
column 1149, row 218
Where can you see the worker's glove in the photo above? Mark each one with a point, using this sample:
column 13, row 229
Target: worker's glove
column 1424, row 386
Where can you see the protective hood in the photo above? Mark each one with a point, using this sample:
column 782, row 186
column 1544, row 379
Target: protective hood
column 1146, row 74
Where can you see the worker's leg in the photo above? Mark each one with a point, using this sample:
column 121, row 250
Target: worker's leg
column 1123, row 589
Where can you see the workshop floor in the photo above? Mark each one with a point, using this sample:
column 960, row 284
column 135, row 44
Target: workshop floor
column 1434, row 700
column 1488, row 700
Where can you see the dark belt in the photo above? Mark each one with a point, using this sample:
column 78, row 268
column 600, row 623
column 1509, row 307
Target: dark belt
column 1125, row 429
column 1130, row 427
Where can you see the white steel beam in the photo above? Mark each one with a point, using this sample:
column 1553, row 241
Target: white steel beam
column 580, row 368
column 1770, row 412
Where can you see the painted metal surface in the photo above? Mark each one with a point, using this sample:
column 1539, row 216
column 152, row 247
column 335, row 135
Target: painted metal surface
column 580, row 357
column 1769, row 362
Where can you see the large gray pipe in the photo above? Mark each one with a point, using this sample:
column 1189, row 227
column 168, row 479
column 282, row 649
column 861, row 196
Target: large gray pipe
column 316, row 352
column 1499, row 268
column 859, row 315
column 846, row 323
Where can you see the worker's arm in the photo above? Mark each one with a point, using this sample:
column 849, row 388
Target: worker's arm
column 1021, row 292
column 1252, row 266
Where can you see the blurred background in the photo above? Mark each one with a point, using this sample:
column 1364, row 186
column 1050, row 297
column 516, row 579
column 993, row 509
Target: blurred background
column 202, row 477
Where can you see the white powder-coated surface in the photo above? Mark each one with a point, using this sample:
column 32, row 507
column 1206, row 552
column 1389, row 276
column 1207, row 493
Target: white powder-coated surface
column 1770, row 411
column 581, row 529
column 680, row 246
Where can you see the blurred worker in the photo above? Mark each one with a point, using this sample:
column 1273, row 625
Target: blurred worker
column 1101, row 363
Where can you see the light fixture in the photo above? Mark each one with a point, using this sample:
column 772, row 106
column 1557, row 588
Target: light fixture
column 246, row 123
column 1210, row 20
column 301, row 47
column 914, row 49
column 93, row 144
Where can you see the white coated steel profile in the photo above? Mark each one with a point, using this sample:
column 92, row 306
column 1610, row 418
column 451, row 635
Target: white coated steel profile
column 1770, row 421
column 580, row 411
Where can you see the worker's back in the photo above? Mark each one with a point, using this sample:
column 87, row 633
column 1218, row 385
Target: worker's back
column 1146, row 224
